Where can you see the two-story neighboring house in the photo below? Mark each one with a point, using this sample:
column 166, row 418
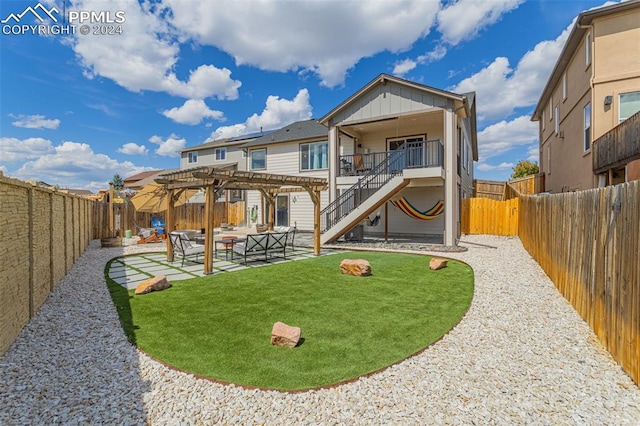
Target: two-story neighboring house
column 222, row 152
column 394, row 142
column 594, row 86
column 299, row 149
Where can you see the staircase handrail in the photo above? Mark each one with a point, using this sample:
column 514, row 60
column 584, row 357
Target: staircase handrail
column 373, row 179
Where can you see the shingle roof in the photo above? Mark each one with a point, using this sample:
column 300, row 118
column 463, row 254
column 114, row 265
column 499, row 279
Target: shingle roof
column 300, row 130
column 234, row 141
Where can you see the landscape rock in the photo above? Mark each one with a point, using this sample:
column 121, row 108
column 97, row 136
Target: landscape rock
column 437, row 263
column 153, row 284
column 284, row 335
column 357, row 267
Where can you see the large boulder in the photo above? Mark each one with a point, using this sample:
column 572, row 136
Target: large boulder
column 152, row 284
column 437, row 263
column 284, row 335
column 357, row 267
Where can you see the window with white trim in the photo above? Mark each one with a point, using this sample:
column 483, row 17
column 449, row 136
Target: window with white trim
column 629, row 105
column 556, row 118
column 587, row 49
column 587, row 127
column 192, row 157
column 544, row 116
column 221, row 154
column 314, row 156
column 564, row 86
column 550, row 109
column 258, row 159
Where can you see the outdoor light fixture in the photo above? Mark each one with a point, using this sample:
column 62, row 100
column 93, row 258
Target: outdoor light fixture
column 608, row 100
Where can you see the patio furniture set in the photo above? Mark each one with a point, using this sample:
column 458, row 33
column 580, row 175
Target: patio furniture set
column 258, row 246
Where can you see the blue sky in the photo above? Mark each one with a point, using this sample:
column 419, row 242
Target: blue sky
column 76, row 109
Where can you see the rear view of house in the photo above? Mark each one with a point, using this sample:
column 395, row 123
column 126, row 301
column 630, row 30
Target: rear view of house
column 404, row 152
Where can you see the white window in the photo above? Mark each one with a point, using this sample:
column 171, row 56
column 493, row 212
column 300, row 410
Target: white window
column 192, row 157
column 465, row 153
column 587, row 49
column 550, row 109
column 556, row 118
column 544, row 116
column 548, row 165
column 629, row 105
column 258, row 159
column 221, row 154
column 564, row 86
column 587, row 127
column 314, row 156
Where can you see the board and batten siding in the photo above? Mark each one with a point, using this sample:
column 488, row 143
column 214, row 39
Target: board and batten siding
column 390, row 98
column 284, row 159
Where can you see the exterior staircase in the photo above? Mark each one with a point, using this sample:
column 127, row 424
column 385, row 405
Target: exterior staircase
column 369, row 193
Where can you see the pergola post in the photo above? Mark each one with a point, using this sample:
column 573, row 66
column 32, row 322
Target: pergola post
column 271, row 208
column 209, row 204
column 169, row 223
column 315, row 197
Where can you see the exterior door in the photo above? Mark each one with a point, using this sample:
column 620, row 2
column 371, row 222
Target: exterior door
column 282, row 210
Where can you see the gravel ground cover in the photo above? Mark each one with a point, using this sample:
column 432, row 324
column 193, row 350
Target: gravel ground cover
column 521, row 355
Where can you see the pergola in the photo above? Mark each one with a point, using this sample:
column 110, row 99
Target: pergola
column 214, row 180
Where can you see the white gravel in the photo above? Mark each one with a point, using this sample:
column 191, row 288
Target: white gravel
column 521, row 355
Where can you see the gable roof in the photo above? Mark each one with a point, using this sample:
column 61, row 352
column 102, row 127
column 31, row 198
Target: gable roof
column 300, row 130
column 580, row 28
column 382, row 79
column 139, row 176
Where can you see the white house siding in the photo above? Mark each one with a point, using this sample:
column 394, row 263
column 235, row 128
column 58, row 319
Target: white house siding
column 207, row 157
column 387, row 99
column 284, row 159
column 422, row 198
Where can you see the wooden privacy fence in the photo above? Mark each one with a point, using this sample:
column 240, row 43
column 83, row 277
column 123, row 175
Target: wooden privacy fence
column 187, row 216
column 487, row 216
column 588, row 243
column 488, row 189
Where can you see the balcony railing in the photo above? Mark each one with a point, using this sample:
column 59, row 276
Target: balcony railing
column 415, row 155
column 617, row 147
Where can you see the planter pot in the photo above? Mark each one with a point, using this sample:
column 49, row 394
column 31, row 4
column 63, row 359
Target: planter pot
column 111, row 242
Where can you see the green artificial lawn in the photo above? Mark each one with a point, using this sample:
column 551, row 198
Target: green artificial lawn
column 220, row 326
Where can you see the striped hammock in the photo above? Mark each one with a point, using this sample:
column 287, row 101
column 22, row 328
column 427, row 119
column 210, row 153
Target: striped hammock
column 404, row 205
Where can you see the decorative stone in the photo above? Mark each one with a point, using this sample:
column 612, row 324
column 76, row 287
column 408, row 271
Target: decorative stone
column 357, row 267
column 153, row 284
column 437, row 263
column 284, row 335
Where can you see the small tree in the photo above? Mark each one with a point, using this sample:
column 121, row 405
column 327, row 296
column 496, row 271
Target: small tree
column 117, row 182
column 525, row 168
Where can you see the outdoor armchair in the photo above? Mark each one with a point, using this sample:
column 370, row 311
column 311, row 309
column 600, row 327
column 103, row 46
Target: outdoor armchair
column 183, row 247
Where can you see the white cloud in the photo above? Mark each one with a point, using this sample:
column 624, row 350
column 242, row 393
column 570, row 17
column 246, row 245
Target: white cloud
column 193, row 112
column 533, row 153
column 503, row 136
column 501, row 89
column 35, row 122
column 144, row 56
column 169, row 147
column 484, row 167
column 464, row 19
column 323, row 37
column 404, row 66
column 277, row 113
column 133, row 149
column 13, row 149
column 75, row 165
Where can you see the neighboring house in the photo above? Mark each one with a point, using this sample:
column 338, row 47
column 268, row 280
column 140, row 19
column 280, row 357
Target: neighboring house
column 299, row 149
column 132, row 182
column 392, row 139
column 594, row 87
column 222, row 152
